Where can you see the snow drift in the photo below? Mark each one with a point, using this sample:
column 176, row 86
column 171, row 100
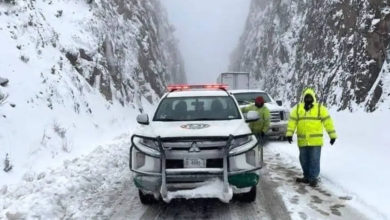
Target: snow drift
column 75, row 73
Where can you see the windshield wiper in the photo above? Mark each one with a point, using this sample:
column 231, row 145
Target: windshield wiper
column 203, row 119
column 168, row 119
column 212, row 119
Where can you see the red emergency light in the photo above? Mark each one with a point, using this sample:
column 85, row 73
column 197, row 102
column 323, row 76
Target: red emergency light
column 172, row 88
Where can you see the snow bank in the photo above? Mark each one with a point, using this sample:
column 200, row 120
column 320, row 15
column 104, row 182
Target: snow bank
column 358, row 163
column 76, row 76
column 84, row 188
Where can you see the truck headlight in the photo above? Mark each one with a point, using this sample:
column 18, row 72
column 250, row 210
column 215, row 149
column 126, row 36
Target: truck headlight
column 240, row 141
column 149, row 143
column 286, row 115
column 147, row 146
column 144, row 163
column 242, row 144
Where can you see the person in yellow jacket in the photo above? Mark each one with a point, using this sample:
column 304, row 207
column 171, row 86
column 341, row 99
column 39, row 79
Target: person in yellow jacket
column 259, row 127
column 308, row 118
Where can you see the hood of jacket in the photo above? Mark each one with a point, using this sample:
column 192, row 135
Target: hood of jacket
column 309, row 91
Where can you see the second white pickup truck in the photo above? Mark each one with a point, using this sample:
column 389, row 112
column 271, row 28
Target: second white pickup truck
column 279, row 114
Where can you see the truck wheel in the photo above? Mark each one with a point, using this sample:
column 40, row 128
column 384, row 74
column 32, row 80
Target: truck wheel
column 249, row 196
column 146, row 199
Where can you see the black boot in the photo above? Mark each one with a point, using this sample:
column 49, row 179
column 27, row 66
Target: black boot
column 313, row 183
column 302, row 180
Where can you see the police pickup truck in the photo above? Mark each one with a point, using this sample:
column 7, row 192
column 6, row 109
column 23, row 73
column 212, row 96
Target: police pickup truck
column 197, row 135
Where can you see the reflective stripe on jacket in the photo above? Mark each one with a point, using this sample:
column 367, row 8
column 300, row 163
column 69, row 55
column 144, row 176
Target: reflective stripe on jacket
column 309, row 124
column 262, row 124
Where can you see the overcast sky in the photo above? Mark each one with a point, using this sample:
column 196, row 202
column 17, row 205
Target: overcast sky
column 208, row 31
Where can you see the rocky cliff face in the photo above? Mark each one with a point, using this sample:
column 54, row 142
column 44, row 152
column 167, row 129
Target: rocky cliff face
column 124, row 49
column 341, row 48
column 76, row 72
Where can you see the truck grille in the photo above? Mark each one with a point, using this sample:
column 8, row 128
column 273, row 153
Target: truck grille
column 209, row 149
column 210, row 163
column 201, row 144
column 277, row 116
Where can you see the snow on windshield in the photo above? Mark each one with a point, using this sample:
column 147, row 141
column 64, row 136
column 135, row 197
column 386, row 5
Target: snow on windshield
column 197, row 109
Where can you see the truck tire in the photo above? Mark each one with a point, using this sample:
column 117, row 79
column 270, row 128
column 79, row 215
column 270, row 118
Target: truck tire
column 249, row 196
column 146, row 199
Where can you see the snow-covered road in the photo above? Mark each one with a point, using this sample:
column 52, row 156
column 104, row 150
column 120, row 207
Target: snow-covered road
column 99, row 186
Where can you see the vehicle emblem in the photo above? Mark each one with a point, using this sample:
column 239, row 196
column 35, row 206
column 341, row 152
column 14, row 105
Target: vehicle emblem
column 195, row 126
column 194, row 147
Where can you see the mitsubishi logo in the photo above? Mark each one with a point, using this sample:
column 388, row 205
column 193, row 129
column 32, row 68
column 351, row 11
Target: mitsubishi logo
column 194, row 147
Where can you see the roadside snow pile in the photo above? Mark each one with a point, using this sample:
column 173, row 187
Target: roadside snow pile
column 211, row 189
column 75, row 73
column 84, row 188
column 358, row 162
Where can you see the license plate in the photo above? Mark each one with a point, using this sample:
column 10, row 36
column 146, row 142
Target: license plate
column 194, row 163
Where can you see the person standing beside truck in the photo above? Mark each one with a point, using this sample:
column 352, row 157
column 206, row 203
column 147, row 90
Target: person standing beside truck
column 259, row 127
column 308, row 119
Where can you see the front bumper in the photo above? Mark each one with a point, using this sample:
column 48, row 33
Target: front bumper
column 152, row 184
column 168, row 182
column 277, row 129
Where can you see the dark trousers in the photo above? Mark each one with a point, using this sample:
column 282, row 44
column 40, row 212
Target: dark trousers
column 310, row 161
column 262, row 140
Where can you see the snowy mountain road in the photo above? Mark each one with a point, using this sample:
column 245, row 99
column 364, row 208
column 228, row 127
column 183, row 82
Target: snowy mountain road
column 278, row 197
column 268, row 205
column 99, row 186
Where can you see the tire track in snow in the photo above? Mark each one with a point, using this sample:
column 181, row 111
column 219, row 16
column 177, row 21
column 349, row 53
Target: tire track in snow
column 189, row 209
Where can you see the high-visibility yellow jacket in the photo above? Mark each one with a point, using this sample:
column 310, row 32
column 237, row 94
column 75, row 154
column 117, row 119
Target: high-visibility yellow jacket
column 309, row 124
column 262, row 124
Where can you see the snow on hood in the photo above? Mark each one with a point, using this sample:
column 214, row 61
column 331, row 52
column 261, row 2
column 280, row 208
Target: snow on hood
column 271, row 106
column 274, row 107
column 194, row 128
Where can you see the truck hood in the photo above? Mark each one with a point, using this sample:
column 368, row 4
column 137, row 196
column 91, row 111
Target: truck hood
column 275, row 107
column 194, row 128
column 271, row 106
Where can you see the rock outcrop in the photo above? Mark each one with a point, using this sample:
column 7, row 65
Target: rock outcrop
column 341, row 48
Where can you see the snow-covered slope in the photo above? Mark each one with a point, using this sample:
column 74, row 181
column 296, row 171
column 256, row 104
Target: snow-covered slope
column 79, row 71
column 339, row 47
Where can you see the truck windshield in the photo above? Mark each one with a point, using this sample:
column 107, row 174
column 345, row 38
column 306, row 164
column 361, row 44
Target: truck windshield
column 249, row 97
column 197, row 109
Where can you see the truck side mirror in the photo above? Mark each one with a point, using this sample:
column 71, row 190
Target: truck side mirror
column 143, row 119
column 279, row 102
column 252, row 116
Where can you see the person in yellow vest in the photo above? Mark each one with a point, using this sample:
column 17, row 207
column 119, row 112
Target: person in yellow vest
column 259, row 127
column 308, row 118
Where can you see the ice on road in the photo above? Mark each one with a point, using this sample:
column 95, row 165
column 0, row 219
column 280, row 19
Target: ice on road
column 99, row 186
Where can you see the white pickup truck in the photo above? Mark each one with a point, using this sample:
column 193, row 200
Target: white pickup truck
column 196, row 135
column 279, row 114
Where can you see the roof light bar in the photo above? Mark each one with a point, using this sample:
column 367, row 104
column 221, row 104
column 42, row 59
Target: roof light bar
column 172, row 88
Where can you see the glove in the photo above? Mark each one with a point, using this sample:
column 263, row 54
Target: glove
column 332, row 141
column 289, row 139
